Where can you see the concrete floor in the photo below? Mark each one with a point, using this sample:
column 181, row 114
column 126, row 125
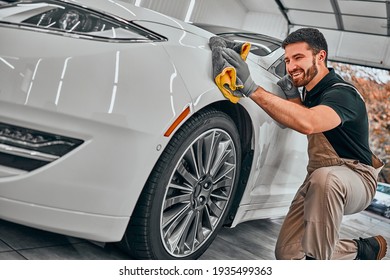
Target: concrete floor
column 248, row 241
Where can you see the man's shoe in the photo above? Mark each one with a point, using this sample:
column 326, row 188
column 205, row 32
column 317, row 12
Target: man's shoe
column 372, row 248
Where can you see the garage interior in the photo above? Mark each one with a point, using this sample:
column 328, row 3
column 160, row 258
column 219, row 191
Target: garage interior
column 358, row 32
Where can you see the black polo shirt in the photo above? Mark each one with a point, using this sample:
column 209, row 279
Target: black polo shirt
column 350, row 138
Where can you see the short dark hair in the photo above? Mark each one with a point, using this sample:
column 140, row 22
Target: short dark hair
column 313, row 37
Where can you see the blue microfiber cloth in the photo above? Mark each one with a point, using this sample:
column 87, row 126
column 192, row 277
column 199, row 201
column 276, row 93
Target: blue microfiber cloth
column 224, row 74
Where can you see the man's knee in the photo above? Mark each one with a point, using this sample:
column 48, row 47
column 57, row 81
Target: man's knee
column 323, row 180
column 319, row 176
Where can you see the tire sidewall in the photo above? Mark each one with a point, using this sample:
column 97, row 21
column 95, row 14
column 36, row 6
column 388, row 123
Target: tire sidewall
column 387, row 213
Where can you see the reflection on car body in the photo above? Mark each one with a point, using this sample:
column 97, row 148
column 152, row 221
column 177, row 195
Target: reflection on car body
column 113, row 130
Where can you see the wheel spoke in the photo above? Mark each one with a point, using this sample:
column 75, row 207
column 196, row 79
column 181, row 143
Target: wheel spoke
column 222, row 153
column 207, row 219
column 191, row 233
column 225, row 183
column 187, row 176
column 174, row 215
column 184, row 188
column 227, row 168
column 176, row 231
column 176, row 200
column 191, row 159
column 187, row 234
column 199, row 156
column 198, row 233
column 211, row 149
column 214, row 209
column 221, row 197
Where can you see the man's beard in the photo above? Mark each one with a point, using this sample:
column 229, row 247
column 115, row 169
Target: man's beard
column 308, row 75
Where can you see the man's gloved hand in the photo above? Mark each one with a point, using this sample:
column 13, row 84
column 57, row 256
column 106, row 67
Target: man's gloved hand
column 242, row 71
column 288, row 88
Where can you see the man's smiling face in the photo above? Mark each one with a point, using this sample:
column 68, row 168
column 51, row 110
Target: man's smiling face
column 301, row 63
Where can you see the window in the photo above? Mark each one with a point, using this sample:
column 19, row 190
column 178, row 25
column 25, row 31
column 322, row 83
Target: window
column 280, row 68
column 72, row 19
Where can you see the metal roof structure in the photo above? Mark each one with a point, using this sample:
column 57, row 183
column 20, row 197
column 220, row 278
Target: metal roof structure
column 357, row 31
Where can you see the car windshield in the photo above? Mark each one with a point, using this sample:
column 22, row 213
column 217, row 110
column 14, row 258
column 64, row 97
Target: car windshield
column 259, row 45
column 68, row 18
column 383, row 189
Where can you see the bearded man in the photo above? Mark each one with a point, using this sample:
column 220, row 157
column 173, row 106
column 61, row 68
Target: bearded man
column 342, row 171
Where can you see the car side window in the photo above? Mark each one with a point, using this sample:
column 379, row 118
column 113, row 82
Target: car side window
column 279, row 67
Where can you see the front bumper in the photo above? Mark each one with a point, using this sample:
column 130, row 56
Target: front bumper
column 79, row 224
column 89, row 192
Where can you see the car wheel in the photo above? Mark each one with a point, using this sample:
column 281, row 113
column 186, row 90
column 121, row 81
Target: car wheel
column 387, row 213
column 187, row 196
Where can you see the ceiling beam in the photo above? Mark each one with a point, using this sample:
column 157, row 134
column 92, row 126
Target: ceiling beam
column 331, row 13
column 337, row 13
column 388, row 17
column 283, row 10
column 335, row 29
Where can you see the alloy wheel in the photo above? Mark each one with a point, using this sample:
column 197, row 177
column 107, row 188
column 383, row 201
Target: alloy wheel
column 198, row 193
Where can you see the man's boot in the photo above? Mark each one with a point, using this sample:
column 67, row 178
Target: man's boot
column 372, row 248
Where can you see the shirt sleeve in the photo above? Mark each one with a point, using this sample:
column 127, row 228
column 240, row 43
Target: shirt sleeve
column 344, row 101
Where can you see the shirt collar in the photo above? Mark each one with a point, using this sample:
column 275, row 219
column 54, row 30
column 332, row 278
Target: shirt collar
column 325, row 82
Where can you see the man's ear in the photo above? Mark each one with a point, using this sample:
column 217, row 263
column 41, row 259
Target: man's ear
column 322, row 55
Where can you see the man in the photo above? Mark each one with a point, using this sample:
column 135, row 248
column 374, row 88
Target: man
column 342, row 172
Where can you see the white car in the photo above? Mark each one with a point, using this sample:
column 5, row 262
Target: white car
column 381, row 201
column 113, row 130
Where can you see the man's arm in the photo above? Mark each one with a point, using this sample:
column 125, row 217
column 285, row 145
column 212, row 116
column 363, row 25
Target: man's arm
column 294, row 115
column 295, row 100
column 287, row 112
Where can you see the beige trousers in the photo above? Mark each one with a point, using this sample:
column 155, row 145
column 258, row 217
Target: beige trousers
column 333, row 187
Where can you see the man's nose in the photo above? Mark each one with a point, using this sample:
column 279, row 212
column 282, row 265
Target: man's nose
column 291, row 67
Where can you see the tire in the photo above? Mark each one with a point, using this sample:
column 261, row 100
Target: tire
column 387, row 213
column 187, row 196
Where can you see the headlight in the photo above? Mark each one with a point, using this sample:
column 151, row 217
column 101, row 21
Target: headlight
column 70, row 20
column 63, row 17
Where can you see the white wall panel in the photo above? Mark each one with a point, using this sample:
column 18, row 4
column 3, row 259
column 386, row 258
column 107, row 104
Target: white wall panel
column 264, row 6
column 269, row 24
column 231, row 13
column 174, row 8
column 220, row 12
column 347, row 47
